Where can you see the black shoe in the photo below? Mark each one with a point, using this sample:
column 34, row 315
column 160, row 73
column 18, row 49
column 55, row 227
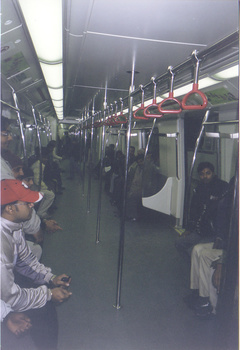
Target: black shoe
column 204, row 310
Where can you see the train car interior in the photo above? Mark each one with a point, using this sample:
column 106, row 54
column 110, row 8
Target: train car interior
column 105, row 79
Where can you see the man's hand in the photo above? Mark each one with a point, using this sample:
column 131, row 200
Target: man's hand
column 57, row 281
column 60, row 294
column 18, row 322
column 218, row 244
column 52, row 226
column 216, row 278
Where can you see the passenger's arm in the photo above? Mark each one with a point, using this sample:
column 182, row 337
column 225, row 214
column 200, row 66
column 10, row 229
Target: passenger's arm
column 216, row 278
column 21, row 299
column 28, row 265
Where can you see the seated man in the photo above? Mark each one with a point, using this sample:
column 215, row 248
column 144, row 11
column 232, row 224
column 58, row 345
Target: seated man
column 207, row 260
column 202, row 209
column 32, row 226
column 16, row 208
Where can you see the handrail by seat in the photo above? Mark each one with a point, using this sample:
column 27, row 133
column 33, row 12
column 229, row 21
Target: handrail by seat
column 153, row 104
column 170, row 98
column 195, row 90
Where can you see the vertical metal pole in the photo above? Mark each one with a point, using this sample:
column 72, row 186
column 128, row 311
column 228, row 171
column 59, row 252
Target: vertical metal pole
column 101, row 169
column 90, row 165
column 149, row 138
column 186, row 206
column 40, row 148
column 84, row 154
column 21, row 125
column 123, row 216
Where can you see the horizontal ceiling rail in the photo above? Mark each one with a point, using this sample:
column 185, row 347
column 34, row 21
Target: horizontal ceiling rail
column 202, row 55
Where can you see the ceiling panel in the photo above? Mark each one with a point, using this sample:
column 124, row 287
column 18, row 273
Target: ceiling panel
column 102, row 39
column 154, row 33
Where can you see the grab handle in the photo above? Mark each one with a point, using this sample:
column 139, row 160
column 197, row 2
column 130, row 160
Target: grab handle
column 110, row 121
column 141, row 108
column 153, row 104
column 121, row 118
column 195, row 90
column 170, row 98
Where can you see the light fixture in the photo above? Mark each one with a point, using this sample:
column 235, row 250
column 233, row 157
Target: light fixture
column 228, row 73
column 52, row 74
column 203, row 83
column 56, row 94
column 44, row 22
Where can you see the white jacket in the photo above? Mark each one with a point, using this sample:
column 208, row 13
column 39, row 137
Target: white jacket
column 16, row 254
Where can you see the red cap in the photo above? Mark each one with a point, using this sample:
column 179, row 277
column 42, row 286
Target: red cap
column 14, row 190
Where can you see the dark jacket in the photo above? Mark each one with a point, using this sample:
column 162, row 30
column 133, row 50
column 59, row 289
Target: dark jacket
column 204, row 206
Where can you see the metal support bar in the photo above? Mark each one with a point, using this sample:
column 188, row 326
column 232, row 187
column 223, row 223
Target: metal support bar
column 84, row 154
column 100, row 180
column 193, row 163
column 149, row 138
column 20, row 124
column 90, row 165
column 123, row 216
column 40, row 147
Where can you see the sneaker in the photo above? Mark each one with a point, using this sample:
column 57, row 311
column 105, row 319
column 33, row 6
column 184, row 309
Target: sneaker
column 204, row 310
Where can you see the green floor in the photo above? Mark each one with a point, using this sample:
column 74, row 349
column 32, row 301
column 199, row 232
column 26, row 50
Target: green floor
column 154, row 281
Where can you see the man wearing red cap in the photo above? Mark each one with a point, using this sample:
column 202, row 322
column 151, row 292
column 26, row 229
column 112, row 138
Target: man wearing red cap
column 16, row 207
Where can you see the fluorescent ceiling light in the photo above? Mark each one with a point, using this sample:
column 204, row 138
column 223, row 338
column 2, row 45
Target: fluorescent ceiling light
column 203, row 83
column 58, row 104
column 227, row 73
column 44, row 21
column 52, row 74
column 56, row 94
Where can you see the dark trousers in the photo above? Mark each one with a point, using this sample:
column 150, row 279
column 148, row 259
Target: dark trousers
column 44, row 330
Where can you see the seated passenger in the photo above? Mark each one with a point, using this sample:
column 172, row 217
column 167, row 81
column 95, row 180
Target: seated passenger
column 16, row 165
column 207, row 260
column 49, row 195
column 49, row 225
column 16, row 208
column 203, row 209
column 35, row 225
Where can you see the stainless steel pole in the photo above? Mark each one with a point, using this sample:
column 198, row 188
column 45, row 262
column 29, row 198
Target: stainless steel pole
column 123, row 216
column 20, row 124
column 90, row 162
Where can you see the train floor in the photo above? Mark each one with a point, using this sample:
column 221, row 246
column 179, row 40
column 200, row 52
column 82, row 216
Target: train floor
column 155, row 278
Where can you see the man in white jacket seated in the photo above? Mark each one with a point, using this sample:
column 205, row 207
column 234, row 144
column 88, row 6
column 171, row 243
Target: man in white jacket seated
column 16, row 207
